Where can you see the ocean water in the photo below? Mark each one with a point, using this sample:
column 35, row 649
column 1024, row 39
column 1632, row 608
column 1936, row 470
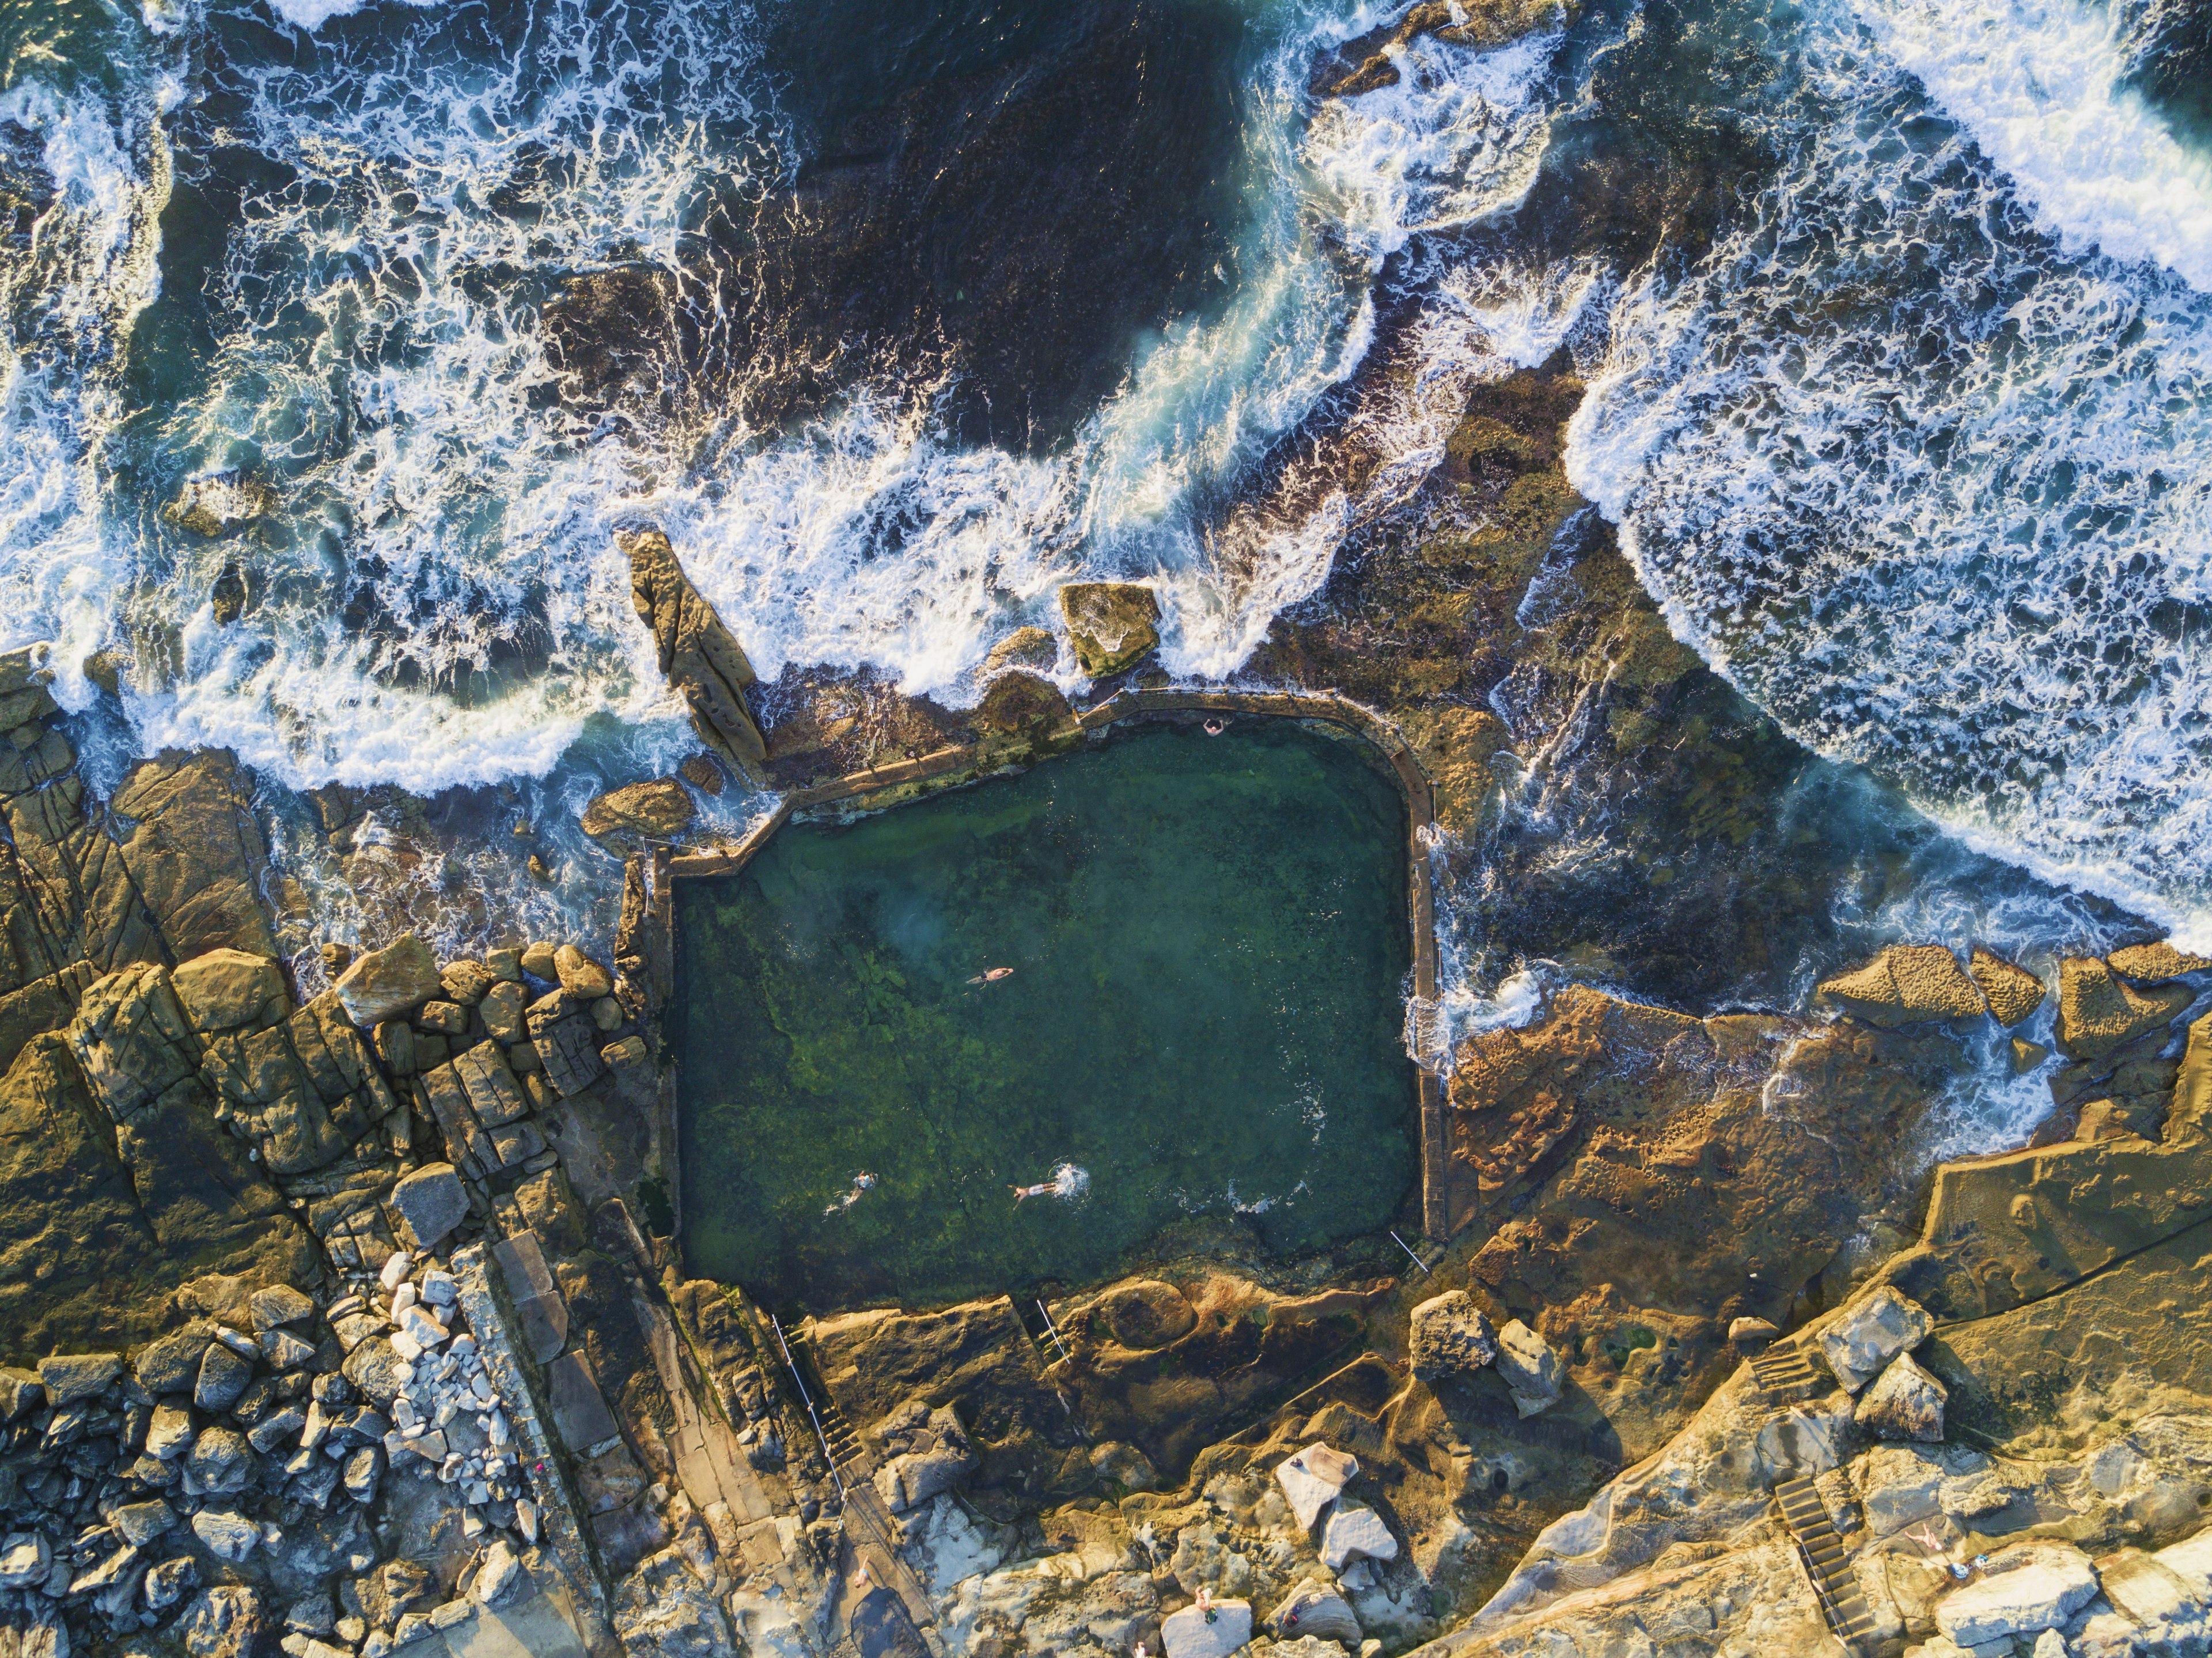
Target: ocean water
column 1899, row 407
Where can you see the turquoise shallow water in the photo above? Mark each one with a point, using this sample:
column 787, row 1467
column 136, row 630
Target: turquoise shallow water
column 1208, row 941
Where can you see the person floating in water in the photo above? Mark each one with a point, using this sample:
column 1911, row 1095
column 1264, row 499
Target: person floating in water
column 992, row 976
column 860, row 1183
column 1068, row 1182
column 1215, row 728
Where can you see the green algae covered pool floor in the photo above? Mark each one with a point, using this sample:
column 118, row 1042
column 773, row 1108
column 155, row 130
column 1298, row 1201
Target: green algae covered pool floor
column 1208, row 939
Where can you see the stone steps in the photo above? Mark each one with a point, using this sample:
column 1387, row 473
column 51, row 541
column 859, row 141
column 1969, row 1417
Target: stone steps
column 1826, row 1563
column 1782, row 1372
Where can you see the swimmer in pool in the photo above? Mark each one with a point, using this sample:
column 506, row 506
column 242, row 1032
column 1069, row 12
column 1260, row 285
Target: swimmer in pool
column 992, row 976
column 860, row 1183
column 1215, row 728
column 1068, row 1182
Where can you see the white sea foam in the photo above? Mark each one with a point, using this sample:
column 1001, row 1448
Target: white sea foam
column 2042, row 86
column 1934, row 493
column 429, row 481
column 312, row 14
column 92, row 266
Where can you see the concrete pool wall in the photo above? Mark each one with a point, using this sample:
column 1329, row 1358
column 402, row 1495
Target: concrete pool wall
column 650, row 878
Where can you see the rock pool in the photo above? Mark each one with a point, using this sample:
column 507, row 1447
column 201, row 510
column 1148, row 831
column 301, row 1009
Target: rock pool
column 1208, row 941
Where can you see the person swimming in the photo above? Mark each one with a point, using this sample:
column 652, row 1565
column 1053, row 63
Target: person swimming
column 1215, row 728
column 1068, row 1182
column 992, row 976
column 860, row 1183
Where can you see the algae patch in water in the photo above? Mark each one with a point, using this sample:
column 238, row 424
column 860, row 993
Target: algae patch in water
column 1208, row 941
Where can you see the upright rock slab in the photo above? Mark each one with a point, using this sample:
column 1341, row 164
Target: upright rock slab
column 1530, row 1369
column 700, row 657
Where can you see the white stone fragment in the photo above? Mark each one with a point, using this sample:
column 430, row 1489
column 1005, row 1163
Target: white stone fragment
column 2025, row 1589
column 396, row 1268
column 1356, row 1531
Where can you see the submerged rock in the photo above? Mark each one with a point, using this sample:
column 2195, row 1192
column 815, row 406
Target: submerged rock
column 215, row 503
column 1369, row 63
column 1111, row 624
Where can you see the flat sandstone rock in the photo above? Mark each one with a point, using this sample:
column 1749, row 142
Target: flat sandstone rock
column 1908, row 984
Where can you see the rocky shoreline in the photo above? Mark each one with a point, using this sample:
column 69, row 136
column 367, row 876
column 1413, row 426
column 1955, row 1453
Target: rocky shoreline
column 344, row 1310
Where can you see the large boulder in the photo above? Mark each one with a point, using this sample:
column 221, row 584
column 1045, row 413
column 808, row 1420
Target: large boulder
column 700, row 657
column 1908, row 984
column 1113, row 625
column 224, row 989
column 1312, row 1479
column 1214, row 1632
column 381, row 983
column 1356, row 1531
column 2024, row 1590
column 224, row 1622
column 930, row 1456
column 432, row 1201
column 1311, row 1612
column 69, row 1377
column 2098, row 1012
column 1875, row 1329
column 2153, row 963
column 628, row 818
column 1450, row 1337
column 2013, row 992
column 1905, row 1402
column 1529, row 1367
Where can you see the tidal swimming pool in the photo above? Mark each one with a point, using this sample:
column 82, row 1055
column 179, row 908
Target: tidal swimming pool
column 1208, row 939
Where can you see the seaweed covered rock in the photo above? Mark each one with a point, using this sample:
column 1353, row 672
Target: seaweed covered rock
column 632, row 816
column 1113, row 625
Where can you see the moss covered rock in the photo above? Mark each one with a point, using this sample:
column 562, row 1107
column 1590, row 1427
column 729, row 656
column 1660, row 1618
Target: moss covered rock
column 1113, row 625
